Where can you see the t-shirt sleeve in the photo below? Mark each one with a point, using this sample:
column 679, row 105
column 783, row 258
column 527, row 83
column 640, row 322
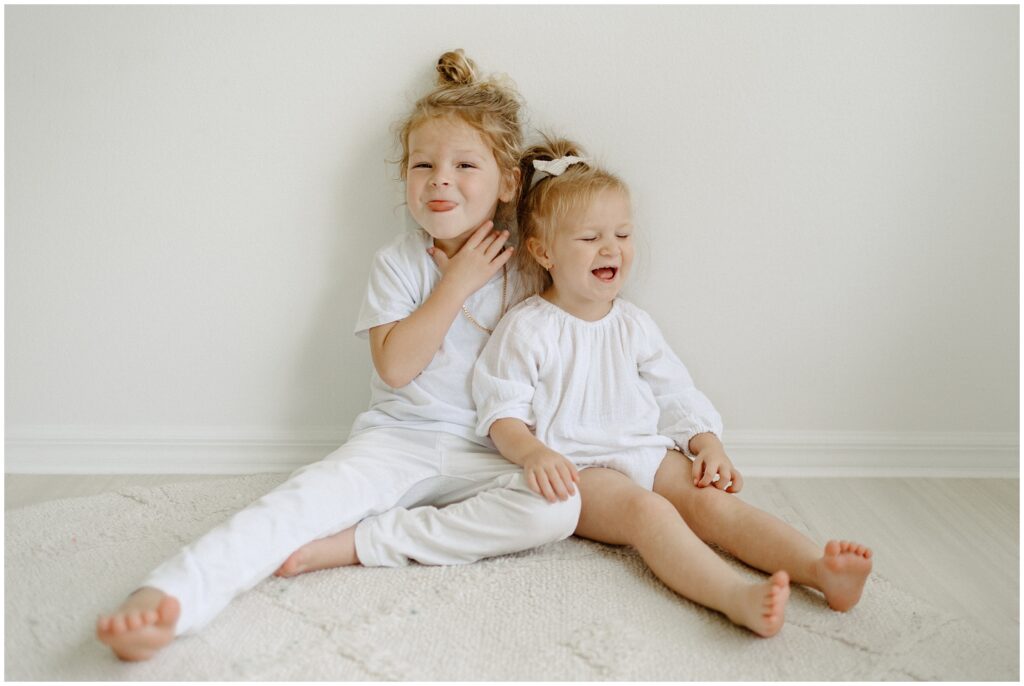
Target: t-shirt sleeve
column 685, row 411
column 504, row 379
column 391, row 292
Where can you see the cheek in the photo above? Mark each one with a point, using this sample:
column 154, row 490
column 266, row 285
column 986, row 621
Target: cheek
column 412, row 189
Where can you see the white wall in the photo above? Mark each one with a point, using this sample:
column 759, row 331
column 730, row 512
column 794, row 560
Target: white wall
column 828, row 195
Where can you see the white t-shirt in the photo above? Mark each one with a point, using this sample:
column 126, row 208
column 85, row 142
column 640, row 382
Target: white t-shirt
column 439, row 399
column 603, row 392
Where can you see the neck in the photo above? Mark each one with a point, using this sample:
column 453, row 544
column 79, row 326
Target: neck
column 589, row 311
column 450, row 246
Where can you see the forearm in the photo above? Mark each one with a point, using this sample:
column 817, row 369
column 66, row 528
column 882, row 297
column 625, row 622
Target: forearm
column 410, row 344
column 514, row 439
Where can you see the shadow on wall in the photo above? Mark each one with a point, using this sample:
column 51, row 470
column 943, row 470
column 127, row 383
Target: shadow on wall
column 333, row 366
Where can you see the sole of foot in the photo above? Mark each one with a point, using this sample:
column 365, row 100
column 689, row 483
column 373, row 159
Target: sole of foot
column 762, row 607
column 141, row 626
column 843, row 572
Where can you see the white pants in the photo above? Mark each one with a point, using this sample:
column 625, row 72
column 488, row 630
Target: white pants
column 489, row 511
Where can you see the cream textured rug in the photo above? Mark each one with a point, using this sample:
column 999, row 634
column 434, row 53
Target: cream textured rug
column 573, row 610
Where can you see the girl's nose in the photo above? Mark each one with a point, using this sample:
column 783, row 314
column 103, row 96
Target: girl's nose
column 438, row 180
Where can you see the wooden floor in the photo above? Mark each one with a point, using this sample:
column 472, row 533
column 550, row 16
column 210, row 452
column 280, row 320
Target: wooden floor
column 951, row 542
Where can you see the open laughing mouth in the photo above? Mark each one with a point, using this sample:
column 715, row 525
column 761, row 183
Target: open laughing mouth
column 606, row 274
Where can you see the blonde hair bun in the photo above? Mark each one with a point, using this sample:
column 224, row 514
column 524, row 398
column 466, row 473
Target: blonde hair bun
column 455, row 69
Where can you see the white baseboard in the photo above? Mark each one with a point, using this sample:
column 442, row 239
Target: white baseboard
column 226, row 450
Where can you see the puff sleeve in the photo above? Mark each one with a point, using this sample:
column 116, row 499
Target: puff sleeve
column 505, row 377
column 685, row 411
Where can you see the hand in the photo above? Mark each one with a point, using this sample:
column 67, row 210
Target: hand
column 710, row 461
column 477, row 260
column 550, row 474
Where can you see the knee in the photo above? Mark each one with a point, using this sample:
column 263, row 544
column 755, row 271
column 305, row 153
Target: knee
column 707, row 504
column 556, row 521
column 645, row 507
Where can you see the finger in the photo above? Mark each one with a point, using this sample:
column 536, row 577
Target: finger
column 557, row 485
column 478, row 235
column 545, row 487
column 496, row 244
column 503, row 257
column 725, row 476
column 531, row 481
column 575, row 472
column 709, row 474
column 565, row 472
column 737, row 482
column 483, row 245
column 697, row 469
column 439, row 257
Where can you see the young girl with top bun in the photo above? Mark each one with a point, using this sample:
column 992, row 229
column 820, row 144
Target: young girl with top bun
column 579, row 385
column 433, row 298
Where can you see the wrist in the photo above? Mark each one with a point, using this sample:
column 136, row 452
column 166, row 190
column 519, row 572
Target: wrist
column 448, row 290
column 702, row 441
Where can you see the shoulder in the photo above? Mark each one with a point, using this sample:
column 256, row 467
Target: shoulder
column 527, row 320
column 633, row 315
column 408, row 247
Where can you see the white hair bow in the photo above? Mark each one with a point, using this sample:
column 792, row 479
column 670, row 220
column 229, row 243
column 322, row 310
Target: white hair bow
column 557, row 167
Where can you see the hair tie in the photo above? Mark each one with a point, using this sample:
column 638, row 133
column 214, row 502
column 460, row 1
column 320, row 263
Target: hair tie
column 555, row 167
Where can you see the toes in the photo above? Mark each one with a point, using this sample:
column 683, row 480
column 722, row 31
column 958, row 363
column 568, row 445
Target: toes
column 133, row 621
column 150, row 617
column 103, row 624
column 117, row 625
column 832, row 548
column 168, row 611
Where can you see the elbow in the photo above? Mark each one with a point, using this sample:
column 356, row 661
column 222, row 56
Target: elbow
column 393, row 378
column 391, row 371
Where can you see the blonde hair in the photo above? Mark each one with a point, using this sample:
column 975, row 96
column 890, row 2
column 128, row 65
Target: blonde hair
column 543, row 206
column 491, row 106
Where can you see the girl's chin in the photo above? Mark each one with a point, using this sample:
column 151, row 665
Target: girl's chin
column 448, row 234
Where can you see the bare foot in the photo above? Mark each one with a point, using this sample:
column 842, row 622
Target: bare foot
column 762, row 607
column 842, row 573
column 338, row 550
column 141, row 626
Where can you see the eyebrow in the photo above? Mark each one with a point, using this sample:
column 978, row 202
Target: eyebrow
column 624, row 225
column 417, row 151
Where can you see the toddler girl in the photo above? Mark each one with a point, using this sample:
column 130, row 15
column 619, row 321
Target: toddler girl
column 577, row 378
column 433, row 296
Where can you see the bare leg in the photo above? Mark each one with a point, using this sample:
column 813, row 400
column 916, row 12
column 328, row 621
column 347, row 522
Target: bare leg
column 761, row 539
column 338, row 550
column 141, row 626
column 617, row 511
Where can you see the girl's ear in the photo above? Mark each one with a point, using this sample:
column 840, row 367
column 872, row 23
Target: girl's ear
column 538, row 252
column 509, row 185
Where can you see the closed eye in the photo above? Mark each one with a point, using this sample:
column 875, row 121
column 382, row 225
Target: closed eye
column 466, row 165
column 421, row 165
